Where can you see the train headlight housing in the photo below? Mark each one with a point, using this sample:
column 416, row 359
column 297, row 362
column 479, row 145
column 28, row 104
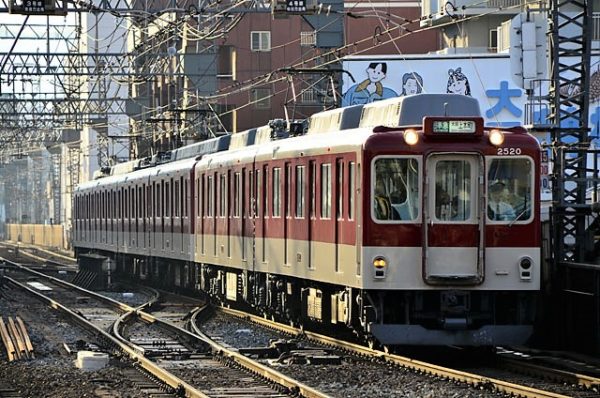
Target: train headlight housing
column 496, row 137
column 379, row 267
column 525, row 268
column 411, row 137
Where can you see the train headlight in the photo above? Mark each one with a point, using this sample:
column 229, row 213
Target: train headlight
column 525, row 268
column 380, row 267
column 496, row 137
column 411, row 137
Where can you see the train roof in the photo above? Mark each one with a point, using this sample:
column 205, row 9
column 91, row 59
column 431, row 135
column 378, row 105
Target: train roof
column 202, row 148
column 139, row 174
column 410, row 110
column 335, row 119
column 243, row 139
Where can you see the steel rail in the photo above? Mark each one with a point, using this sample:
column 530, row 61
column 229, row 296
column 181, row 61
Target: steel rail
column 413, row 364
column 542, row 371
column 265, row 371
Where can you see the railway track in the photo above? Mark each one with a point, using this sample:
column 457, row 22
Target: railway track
column 527, row 382
column 111, row 312
column 579, row 385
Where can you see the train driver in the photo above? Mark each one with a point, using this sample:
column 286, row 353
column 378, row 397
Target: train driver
column 498, row 209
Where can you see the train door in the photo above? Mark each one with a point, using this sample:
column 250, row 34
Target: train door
column 453, row 219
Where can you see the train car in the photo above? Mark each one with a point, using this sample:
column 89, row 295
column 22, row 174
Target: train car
column 406, row 221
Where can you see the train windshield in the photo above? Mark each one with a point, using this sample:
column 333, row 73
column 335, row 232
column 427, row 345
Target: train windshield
column 509, row 187
column 395, row 189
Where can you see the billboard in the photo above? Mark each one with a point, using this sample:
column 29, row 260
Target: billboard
column 486, row 77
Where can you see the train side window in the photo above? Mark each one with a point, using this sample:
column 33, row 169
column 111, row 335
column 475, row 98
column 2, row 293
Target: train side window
column 144, row 201
column 157, row 201
column 177, row 199
column 133, row 202
column 243, row 208
column 312, row 186
column 510, row 189
column 287, row 190
column 265, row 193
column 236, row 194
column 185, row 202
column 276, row 192
column 168, row 196
column 223, row 195
column 339, row 184
column 182, row 197
column 326, row 190
column 140, row 202
column 300, row 172
column 149, row 200
column 200, row 193
column 351, row 189
column 125, row 203
column 209, row 196
column 257, row 192
column 395, row 189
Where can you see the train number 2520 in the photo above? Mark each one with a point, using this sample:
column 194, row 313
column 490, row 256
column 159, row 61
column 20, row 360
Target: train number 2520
column 509, row 151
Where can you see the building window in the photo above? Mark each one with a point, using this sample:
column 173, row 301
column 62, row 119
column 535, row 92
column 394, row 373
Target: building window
column 260, row 41
column 261, row 98
column 308, row 39
column 309, row 96
column 493, row 40
column 227, row 62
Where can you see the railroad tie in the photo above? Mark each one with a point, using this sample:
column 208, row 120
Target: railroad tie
column 8, row 344
column 16, row 339
column 21, row 325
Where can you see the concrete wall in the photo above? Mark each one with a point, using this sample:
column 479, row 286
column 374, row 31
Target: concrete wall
column 37, row 234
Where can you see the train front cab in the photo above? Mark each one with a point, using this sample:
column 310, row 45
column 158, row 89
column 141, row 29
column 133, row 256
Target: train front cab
column 451, row 251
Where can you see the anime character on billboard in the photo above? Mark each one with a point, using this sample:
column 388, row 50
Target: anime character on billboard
column 412, row 83
column 370, row 89
column 458, row 83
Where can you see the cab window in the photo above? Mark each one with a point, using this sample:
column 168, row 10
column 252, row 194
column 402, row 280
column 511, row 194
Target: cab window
column 395, row 189
column 509, row 189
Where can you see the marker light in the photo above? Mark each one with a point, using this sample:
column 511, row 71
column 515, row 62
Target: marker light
column 496, row 137
column 525, row 268
column 380, row 264
column 411, row 137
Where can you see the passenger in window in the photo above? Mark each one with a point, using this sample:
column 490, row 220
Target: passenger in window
column 498, row 208
column 443, row 203
column 382, row 204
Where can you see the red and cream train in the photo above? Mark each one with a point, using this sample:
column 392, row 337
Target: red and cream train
column 405, row 220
